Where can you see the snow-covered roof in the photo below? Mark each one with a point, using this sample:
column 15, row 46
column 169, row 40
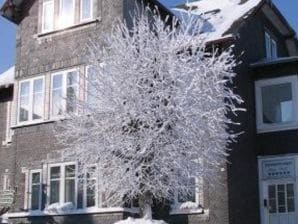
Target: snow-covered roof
column 7, row 78
column 218, row 15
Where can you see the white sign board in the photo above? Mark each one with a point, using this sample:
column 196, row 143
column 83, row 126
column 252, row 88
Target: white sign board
column 278, row 169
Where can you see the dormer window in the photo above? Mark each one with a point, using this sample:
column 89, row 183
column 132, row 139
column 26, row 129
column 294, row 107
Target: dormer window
column 271, row 47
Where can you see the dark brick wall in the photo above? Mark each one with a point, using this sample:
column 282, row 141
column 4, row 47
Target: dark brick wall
column 278, row 142
column 243, row 169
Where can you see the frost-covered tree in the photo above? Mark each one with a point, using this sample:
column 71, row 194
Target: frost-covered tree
column 156, row 110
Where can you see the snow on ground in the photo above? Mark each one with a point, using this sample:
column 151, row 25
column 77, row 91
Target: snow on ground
column 218, row 15
column 7, row 78
column 140, row 221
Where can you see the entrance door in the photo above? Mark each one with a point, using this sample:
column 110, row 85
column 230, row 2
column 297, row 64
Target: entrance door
column 280, row 204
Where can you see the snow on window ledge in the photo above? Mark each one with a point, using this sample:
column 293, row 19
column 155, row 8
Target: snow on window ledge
column 93, row 210
column 187, row 208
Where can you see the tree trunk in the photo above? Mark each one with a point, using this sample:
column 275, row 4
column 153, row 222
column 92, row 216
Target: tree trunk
column 145, row 203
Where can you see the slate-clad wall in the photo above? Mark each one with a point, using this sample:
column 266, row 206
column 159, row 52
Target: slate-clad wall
column 243, row 170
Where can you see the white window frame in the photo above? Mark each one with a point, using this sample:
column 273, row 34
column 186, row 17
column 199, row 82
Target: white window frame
column 30, row 110
column 62, row 182
column 271, row 47
column 97, row 197
column 261, row 126
column 47, row 2
column 198, row 199
column 62, row 26
column 81, row 12
column 64, row 91
column 31, row 172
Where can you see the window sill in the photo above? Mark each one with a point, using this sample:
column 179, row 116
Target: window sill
column 28, row 124
column 275, row 128
column 189, row 211
column 72, row 27
column 73, row 212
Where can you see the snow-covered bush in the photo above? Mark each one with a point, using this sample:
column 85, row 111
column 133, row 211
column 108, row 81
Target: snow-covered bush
column 156, row 112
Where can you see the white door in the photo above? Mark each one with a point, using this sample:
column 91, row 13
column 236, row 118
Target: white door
column 280, row 203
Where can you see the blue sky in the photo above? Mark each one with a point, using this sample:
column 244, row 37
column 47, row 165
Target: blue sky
column 7, row 30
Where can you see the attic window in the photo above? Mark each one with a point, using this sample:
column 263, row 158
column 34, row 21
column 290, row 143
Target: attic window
column 271, row 47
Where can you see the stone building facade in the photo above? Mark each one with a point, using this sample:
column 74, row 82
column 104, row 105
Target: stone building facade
column 51, row 53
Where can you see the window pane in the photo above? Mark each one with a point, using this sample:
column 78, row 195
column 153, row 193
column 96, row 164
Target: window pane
column 91, row 193
column 191, row 194
column 57, row 81
column 273, row 49
column 290, row 198
column 24, row 108
column 86, row 12
column 36, row 178
column 70, row 191
column 67, row 13
column 48, row 16
column 35, row 194
column 25, row 88
column 272, row 198
column 70, row 171
column 24, row 101
column 37, row 99
column 71, row 92
column 268, row 45
column 277, row 103
column 91, row 89
column 55, row 172
column 57, row 102
column 54, row 191
column 281, row 198
column 90, row 186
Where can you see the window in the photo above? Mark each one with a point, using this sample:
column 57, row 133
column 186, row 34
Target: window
column 31, row 100
column 62, row 184
column 192, row 199
column 35, row 190
column 90, row 187
column 67, row 13
column 48, row 15
column 276, row 103
column 86, row 10
column 271, row 47
column 64, row 92
column 191, row 195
